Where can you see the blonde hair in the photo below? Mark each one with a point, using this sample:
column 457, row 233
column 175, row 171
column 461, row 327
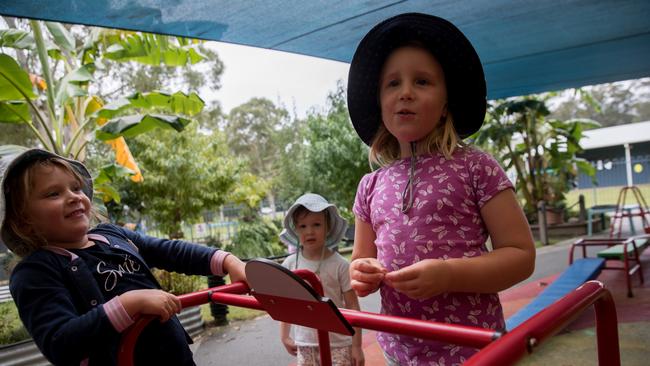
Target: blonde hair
column 18, row 188
column 443, row 138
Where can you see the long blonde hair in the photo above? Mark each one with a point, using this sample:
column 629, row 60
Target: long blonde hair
column 443, row 138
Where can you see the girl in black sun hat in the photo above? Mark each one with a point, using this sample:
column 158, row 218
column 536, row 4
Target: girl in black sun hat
column 416, row 87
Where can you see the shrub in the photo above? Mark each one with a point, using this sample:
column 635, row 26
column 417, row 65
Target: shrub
column 178, row 283
column 11, row 328
column 257, row 238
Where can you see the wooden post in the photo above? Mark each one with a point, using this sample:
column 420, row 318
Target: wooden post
column 541, row 219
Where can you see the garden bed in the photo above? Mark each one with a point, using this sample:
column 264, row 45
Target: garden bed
column 569, row 229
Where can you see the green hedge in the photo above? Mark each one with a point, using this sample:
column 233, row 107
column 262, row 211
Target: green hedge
column 11, row 328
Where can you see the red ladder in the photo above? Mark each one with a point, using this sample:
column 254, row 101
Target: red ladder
column 622, row 212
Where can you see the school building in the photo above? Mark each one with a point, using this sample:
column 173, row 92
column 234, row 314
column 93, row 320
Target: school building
column 621, row 156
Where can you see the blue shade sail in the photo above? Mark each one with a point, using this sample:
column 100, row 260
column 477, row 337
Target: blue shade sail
column 526, row 46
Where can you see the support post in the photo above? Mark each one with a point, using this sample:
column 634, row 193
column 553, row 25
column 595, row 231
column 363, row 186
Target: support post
column 541, row 219
column 628, row 165
column 582, row 215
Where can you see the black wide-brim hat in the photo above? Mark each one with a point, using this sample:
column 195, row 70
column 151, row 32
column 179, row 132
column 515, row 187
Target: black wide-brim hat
column 464, row 77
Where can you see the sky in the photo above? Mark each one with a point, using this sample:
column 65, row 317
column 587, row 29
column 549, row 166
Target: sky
column 296, row 82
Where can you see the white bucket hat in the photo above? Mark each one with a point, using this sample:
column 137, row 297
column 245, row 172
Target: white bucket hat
column 15, row 159
column 314, row 203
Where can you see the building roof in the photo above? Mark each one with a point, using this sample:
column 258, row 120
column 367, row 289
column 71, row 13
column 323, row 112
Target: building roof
column 616, row 135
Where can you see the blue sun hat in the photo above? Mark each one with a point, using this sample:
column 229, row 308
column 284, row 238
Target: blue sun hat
column 314, row 203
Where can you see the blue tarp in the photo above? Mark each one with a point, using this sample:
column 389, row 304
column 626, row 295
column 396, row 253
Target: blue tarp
column 526, row 46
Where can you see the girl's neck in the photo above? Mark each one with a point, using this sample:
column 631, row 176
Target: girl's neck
column 79, row 244
column 406, row 150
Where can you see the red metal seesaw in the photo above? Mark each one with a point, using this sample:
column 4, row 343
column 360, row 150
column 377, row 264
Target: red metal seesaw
column 287, row 297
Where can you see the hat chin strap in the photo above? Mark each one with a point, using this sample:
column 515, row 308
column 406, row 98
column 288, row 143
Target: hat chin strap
column 406, row 205
column 322, row 255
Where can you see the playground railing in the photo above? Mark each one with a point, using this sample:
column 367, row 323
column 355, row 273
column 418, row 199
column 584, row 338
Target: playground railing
column 497, row 348
column 525, row 338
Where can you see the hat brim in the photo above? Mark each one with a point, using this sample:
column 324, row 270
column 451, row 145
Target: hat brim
column 465, row 80
column 15, row 162
column 336, row 232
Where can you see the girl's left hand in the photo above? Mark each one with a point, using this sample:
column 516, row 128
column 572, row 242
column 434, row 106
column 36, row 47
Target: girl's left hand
column 235, row 268
column 421, row 280
column 358, row 359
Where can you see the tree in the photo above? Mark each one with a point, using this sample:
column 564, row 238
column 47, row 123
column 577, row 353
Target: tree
column 187, row 173
column 328, row 158
column 255, row 130
column 543, row 151
column 610, row 104
column 54, row 98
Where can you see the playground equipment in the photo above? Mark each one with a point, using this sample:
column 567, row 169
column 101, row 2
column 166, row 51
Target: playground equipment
column 287, row 297
column 625, row 250
column 622, row 212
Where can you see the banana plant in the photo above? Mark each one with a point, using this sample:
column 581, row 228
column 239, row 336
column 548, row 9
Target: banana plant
column 542, row 151
column 55, row 99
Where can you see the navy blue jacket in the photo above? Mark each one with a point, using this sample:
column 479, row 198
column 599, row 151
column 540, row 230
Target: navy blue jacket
column 59, row 300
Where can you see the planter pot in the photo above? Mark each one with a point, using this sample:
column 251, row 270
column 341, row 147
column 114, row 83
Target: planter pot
column 191, row 320
column 554, row 217
column 219, row 311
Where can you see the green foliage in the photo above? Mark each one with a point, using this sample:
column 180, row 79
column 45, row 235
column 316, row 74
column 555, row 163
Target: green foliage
column 11, row 328
column 252, row 130
column 259, row 131
column 178, row 283
column 55, row 86
column 543, row 151
column 67, row 66
column 186, row 174
column 610, row 104
column 257, row 238
column 328, row 158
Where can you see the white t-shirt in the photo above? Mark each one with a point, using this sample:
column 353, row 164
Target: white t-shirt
column 335, row 277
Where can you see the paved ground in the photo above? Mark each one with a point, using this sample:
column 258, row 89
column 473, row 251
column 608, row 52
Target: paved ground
column 256, row 342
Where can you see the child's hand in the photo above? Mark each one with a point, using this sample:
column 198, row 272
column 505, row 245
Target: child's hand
column 421, row 280
column 151, row 302
column 366, row 275
column 358, row 359
column 290, row 345
column 235, row 268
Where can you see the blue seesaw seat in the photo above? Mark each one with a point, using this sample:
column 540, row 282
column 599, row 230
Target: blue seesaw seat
column 581, row 271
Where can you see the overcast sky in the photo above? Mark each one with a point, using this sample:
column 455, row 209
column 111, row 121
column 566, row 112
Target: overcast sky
column 295, row 81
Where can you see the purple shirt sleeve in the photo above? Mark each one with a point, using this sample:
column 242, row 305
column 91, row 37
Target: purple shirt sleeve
column 361, row 207
column 488, row 178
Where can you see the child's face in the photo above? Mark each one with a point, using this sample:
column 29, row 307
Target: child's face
column 57, row 208
column 312, row 230
column 412, row 93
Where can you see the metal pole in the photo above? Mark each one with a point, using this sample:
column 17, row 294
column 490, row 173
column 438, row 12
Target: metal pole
column 628, row 165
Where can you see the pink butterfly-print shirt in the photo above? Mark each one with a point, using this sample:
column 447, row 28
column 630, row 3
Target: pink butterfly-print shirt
column 444, row 222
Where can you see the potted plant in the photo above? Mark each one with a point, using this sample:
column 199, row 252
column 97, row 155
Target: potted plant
column 540, row 150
